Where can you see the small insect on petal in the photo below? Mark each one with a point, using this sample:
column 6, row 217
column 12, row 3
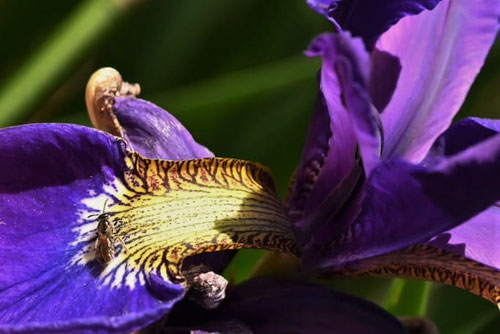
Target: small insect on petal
column 105, row 243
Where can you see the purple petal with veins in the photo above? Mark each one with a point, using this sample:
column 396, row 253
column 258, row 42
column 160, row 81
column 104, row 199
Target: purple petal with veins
column 54, row 176
column 155, row 133
column 441, row 51
column 403, row 204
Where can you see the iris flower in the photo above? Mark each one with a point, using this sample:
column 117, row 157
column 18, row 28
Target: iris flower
column 384, row 186
column 95, row 225
column 94, row 233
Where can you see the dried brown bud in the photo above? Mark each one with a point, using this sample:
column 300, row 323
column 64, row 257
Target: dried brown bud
column 208, row 289
column 103, row 86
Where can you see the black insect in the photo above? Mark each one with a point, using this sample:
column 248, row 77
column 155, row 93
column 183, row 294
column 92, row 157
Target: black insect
column 105, row 243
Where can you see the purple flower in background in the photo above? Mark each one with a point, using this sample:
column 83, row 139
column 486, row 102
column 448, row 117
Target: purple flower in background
column 381, row 186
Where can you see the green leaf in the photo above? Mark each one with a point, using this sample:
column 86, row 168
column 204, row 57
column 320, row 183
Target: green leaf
column 408, row 297
column 44, row 70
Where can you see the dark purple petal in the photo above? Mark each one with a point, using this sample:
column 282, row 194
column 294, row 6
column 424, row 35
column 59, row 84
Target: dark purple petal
column 155, row 133
column 369, row 19
column 384, row 78
column 364, row 116
column 280, row 306
column 466, row 256
column 330, row 148
column 344, row 118
column 403, row 204
column 52, row 178
column 476, row 239
column 441, row 52
column 460, row 136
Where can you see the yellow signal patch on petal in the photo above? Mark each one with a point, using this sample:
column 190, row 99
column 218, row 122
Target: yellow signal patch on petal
column 166, row 211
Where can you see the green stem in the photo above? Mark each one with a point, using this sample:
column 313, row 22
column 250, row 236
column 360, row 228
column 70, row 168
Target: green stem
column 242, row 265
column 408, row 297
column 275, row 264
column 42, row 71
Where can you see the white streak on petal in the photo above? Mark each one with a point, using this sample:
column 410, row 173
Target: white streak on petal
column 131, row 280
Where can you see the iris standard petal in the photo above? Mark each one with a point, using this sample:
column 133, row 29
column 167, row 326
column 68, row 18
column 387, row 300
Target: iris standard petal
column 403, row 204
column 55, row 181
column 280, row 306
column 330, row 152
column 353, row 69
column 369, row 19
column 441, row 51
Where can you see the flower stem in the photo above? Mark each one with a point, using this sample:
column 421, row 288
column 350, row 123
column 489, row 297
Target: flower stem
column 48, row 65
column 276, row 264
column 408, row 297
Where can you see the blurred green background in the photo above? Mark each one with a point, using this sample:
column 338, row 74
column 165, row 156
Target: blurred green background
column 232, row 72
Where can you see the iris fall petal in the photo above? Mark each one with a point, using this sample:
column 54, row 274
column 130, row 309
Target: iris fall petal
column 56, row 178
column 49, row 281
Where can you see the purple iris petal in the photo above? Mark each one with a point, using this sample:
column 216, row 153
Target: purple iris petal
column 403, row 204
column 53, row 178
column 155, row 133
column 384, row 78
column 330, row 153
column 279, row 306
column 369, row 19
column 322, row 6
column 460, row 136
column 441, row 51
column 365, row 120
column 476, row 239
